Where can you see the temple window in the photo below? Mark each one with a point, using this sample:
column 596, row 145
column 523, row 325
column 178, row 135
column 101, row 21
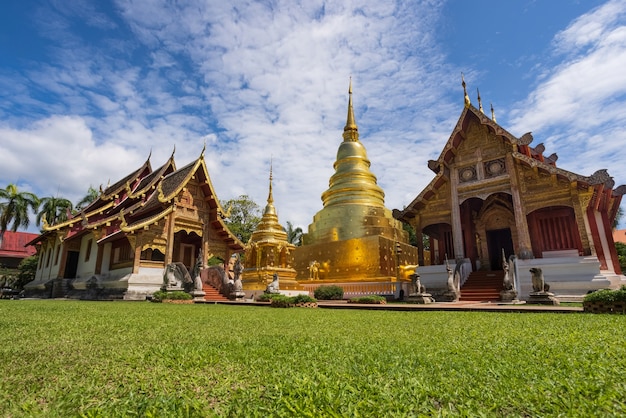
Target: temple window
column 88, row 250
column 122, row 253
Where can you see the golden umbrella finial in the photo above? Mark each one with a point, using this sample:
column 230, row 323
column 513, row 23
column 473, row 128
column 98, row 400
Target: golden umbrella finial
column 465, row 96
column 270, row 198
column 350, row 131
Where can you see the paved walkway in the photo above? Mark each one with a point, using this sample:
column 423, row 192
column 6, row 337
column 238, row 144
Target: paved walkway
column 437, row 306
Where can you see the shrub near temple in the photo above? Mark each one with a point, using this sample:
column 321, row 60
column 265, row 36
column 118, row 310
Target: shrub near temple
column 282, row 301
column 329, row 293
column 370, row 299
column 162, row 295
column 606, row 300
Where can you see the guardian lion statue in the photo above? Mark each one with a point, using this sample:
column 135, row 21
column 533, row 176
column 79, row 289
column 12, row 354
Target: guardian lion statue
column 538, row 282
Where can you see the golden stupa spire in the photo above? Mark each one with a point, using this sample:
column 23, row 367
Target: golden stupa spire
column 270, row 198
column 350, row 131
column 493, row 114
column 465, row 96
column 480, row 102
column 353, row 182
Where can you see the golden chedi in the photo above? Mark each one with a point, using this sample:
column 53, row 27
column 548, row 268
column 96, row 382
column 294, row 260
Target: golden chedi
column 268, row 252
column 354, row 241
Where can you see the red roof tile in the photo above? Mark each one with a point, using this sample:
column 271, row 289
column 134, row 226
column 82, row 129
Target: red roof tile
column 13, row 244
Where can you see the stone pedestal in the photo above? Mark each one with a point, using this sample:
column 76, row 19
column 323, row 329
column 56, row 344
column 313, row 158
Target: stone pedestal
column 420, row 298
column 450, row 296
column 542, row 298
column 508, row 296
column 237, row 295
column 198, row 295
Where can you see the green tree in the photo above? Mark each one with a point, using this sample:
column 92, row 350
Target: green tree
column 294, row 235
column 55, row 209
column 621, row 255
column 26, row 272
column 242, row 216
column 88, row 199
column 412, row 235
column 618, row 217
column 14, row 208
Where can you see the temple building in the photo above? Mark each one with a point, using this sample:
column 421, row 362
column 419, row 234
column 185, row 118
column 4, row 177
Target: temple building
column 119, row 245
column 354, row 241
column 268, row 252
column 493, row 194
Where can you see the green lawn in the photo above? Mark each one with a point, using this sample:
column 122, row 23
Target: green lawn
column 71, row 358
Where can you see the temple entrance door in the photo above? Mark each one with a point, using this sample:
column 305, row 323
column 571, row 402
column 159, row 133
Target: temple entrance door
column 187, row 254
column 186, row 246
column 498, row 239
column 71, row 265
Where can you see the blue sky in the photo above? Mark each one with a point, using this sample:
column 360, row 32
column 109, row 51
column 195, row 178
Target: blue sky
column 89, row 88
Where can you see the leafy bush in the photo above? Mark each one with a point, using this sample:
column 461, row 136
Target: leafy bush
column 266, row 297
column 161, row 295
column 281, row 301
column 329, row 293
column 303, row 298
column 607, row 296
column 372, row 299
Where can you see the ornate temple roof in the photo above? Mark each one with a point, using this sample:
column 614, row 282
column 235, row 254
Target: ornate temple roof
column 522, row 152
column 140, row 199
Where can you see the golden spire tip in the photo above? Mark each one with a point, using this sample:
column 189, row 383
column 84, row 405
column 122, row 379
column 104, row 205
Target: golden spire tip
column 465, row 96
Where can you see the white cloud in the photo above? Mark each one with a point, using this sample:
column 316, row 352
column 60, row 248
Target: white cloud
column 259, row 81
column 577, row 107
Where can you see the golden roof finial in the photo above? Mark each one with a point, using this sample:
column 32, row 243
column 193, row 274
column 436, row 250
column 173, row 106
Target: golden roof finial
column 203, row 149
column 465, row 96
column 480, row 103
column 350, row 131
column 493, row 114
column 270, row 198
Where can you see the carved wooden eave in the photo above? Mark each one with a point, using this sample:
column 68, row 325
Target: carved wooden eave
column 147, row 222
column 600, row 177
column 79, row 218
column 419, row 202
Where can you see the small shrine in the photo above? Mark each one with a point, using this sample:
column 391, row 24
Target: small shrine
column 268, row 254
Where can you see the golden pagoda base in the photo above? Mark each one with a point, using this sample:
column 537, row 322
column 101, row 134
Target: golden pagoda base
column 367, row 259
column 259, row 279
column 390, row 288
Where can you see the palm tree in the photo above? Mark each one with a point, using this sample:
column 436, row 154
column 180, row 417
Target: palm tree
column 55, row 209
column 294, row 236
column 14, row 208
column 89, row 198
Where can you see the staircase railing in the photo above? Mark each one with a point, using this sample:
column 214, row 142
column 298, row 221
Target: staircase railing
column 464, row 269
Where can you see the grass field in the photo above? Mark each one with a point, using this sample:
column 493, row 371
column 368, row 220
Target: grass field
column 71, row 358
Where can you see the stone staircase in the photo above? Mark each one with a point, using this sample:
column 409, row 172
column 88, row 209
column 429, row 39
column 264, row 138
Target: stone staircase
column 212, row 294
column 482, row 286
